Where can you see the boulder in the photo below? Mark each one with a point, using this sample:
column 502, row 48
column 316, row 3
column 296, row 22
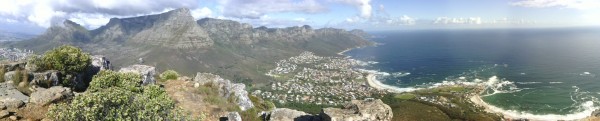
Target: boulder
column 596, row 113
column 12, row 104
column 147, row 72
column 234, row 116
column 14, row 66
column 46, row 96
column 4, row 113
column 359, row 110
column 226, row 88
column 99, row 62
column 284, row 114
column 14, row 118
column 11, row 97
column 8, row 76
column 48, row 78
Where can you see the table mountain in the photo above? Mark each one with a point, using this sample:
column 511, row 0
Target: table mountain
column 173, row 40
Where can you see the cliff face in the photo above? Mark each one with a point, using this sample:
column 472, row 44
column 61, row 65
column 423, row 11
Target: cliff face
column 175, row 40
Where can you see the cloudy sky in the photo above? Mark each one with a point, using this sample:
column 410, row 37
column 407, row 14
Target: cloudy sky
column 33, row 16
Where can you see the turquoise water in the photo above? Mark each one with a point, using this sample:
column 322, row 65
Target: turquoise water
column 531, row 72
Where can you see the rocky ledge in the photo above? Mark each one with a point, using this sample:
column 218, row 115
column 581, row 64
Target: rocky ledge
column 356, row 110
column 226, row 88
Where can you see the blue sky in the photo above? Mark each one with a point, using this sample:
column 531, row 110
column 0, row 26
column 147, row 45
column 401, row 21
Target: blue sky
column 33, row 16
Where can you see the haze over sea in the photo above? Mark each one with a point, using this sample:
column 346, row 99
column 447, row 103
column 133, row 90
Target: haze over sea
column 530, row 73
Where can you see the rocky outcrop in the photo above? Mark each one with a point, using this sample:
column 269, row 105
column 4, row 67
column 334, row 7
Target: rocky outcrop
column 8, row 76
column 99, row 62
column 47, row 78
column 234, row 116
column 226, row 88
column 12, row 66
column 11, row 97
column 146, row 72
column 285, row 114
column 359, row 110
column 46, row 96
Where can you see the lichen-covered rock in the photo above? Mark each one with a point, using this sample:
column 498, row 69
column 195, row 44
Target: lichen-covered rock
column 11, row 97
column 226, row 88
column 234, row 116
column 47, row 78
column 284, row 114
column 359, row 110
column 46, row 96
column 146, row 72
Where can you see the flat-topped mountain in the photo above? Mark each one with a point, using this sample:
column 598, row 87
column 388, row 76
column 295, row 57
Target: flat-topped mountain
column 174, row 39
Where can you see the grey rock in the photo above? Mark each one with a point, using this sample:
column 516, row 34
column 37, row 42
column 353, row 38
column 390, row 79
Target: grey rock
column 4, row 113
column 285, row 114
column 146, row 72
column 12, row 104
column 596, row 113
column 359, row 110
column 2, row 106
column 226, row 88
column 8, row 76
column 12, row 66
column 11, row 97
column 99, row 62
column 47, row 78
column 46, row 96
column 234, row 116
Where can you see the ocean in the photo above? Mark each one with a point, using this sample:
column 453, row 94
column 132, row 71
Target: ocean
column 551, row 73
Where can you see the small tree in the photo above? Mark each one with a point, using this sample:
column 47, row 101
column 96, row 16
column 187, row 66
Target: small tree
column 169, row 75
column 67, row 59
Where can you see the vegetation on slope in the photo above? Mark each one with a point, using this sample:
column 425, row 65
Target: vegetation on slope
column 118, row 96
column 437, row 104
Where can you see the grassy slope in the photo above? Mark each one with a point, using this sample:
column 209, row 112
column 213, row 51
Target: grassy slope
column 407, row 106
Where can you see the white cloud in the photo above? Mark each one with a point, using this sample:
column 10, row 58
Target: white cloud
column 201, row 13
column 447, row 20
column 90, row 12
column 364, row 6
column 575, row 4
column 254, row 9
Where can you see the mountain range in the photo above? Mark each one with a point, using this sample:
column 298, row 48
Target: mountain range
column 174, row 40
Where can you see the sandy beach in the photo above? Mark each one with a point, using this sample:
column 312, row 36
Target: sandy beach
column 371, row 81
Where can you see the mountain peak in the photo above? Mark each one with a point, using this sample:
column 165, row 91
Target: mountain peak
column 180, row 13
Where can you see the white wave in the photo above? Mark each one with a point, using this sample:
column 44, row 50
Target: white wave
column 400, row 74
column 378, row 83
column 376, row 72
column 528, row 82
column 555, row 82
column 588, row 107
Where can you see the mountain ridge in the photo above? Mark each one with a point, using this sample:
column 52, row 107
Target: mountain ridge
column 174, row 39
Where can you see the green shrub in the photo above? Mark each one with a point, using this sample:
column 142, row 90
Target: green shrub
column 169, row 75
column 67, row 59
column 119, row 96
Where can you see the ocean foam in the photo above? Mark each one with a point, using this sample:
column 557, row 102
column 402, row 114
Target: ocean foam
column 528, row 82
column 588, row 107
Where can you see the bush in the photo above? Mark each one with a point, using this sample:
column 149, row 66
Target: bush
column 169, row 75
column 67, row 59
column 119, row 96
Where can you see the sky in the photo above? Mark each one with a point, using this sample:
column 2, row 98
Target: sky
column 34, row 16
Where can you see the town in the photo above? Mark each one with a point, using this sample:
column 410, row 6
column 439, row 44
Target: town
column 14, row 54
column 312, row 79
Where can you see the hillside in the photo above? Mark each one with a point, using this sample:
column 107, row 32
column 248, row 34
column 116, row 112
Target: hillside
column 174, row 40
